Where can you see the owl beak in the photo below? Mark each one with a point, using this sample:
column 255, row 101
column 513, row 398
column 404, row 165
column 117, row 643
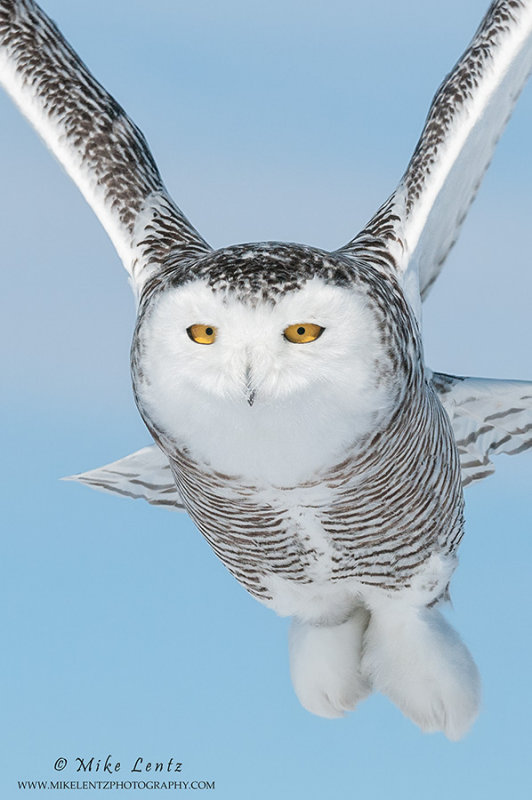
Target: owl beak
column 249, row 388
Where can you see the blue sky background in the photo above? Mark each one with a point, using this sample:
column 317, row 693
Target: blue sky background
column 291, row 119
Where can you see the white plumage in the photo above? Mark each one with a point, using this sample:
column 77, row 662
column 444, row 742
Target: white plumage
column 327, row 471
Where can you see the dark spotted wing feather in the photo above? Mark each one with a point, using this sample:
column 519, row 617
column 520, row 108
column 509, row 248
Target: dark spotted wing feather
column 414, row 230
column 145, row 474
column 91, row 135
column 489, row 417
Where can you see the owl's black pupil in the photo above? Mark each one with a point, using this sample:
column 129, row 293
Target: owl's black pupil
column 301, row 331
column 209, row 331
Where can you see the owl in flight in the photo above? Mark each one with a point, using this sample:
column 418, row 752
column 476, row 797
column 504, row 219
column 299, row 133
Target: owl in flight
column 285, row 388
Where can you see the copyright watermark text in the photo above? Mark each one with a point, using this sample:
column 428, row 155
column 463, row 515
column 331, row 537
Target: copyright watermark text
column 90, row 772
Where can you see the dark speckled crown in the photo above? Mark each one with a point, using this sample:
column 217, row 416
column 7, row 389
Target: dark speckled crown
column 256, row 271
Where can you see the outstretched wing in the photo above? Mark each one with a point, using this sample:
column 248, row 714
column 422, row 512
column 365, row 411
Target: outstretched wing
column 91, row 135
column 414, row 230
column 145, row 474
column 488, row 417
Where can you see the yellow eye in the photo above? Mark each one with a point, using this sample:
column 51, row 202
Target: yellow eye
column 303, row 332
column 202, row 334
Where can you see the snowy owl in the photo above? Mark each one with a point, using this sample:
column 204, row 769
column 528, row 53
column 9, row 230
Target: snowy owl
column 285, row 387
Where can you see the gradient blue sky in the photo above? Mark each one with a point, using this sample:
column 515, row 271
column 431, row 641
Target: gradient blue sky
column 291, row 119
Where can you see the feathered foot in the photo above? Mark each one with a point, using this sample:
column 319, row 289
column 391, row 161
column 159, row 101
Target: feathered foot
column 419, row 661
column 325, row 665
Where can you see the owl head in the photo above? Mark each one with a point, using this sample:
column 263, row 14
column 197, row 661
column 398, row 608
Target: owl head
column 268, row 337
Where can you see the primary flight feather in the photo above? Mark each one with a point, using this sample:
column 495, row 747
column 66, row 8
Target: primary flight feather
column 285, row 386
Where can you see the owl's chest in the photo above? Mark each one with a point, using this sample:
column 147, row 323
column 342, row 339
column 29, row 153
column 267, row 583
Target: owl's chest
column 257, row 528
column 347, row 529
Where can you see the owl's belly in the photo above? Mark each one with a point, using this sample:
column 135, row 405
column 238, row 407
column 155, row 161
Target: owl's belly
column 257, row 531
column 322, row 543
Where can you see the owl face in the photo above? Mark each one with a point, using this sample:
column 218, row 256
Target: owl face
column 307, row 371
